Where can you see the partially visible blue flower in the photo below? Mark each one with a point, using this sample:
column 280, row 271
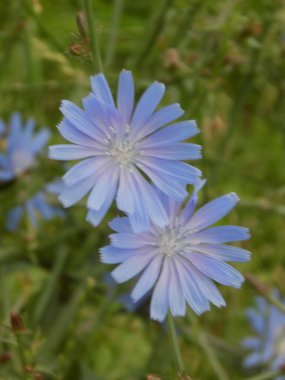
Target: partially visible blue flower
column 181, row 259
column 122, row 145
column 22, row 146
column 33, row 208
column 267, row 346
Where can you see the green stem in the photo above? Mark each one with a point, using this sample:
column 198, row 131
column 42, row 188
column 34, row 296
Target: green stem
column 274, row 301
column 211, row 355
column 96, row 58
column 118, row 5
column 174, row 343
column 265, row 376
column 22, row 356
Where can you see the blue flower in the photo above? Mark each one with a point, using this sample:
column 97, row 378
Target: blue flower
column 121, row 145
column 38, row 205
column 181, row 259
column 267, row 346
column 22, row 146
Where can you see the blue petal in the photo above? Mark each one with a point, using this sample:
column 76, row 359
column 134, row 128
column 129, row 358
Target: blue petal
column 72, row 194
column 160, row 118
column 171, row 134
column 223, row 252
column 13, row 218
column 147, row 279
column 70, row 152
column 178, row 170
column 101, row 89
column 213, row 211
column 221, row 234
column 216, row 269
column 125, row 200
column 74, row 135
column 84, row 169
column 173, row 189
column 114, row 255
column 151, row 202
column 175, row 293
column 95, row 216
column 126, row 95
column 192, row 293
column 107, row 183
column 41, row 139
column 251, row 343
column 121, row 224
column 175, row 151
column 130, row 240
column 159, row 300
column 147, row 104
column 131, row 267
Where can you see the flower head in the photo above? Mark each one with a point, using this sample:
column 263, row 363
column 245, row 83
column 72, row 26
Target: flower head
column 181, row 259
column 267, row 346
column 21, row 146
column 38, row 205
column 122, row 145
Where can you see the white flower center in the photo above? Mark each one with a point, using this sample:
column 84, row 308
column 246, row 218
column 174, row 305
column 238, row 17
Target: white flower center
column 169, row 241
column 21, row 160
column 122, row 148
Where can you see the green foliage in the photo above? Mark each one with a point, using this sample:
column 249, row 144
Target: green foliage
column 224, row 62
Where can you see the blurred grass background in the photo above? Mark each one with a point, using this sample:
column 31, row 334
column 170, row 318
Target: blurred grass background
column 224, row 62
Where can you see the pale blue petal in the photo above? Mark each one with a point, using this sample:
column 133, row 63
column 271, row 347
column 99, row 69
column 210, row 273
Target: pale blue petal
column 101, row 89
column 40, row 140
column 84, row 169
column 71, row 152
column 175, row 151
column 192, row 293
column 169, row 168
column 223, row 252
column 125, row 199
column 159, row 300
column 213, row 212
column 147, row 279
column 121, row 224
column 74, row 135
column 159, row 119
column 72, row 194
column 175, row 132
column 216, row 269
column 173, row 189
column 152, row 202
column 131, row 240
column 114, row 255
column 221, row 234
column 106, row 183
column 77, row 117
column 147, row 104
column 175, row 293
column 253, row 360
column 13, row 218
column 133, row 266
column 126, row 95
column 251, row 343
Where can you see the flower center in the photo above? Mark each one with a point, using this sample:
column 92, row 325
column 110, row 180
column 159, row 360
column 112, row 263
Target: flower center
column 122, row 148
column 21, row 160
column 169, row 243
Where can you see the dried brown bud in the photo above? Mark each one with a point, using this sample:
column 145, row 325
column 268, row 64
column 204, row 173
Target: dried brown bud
column 153, row 377
column 82, row 25
column 38, row 376
column 259, row 286
column 6, row 357
column 75, row 49
column 17, row 323
column 282, row 368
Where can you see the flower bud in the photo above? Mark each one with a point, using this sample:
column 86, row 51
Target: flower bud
column 16, row 321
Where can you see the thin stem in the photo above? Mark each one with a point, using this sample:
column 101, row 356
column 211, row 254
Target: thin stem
column 174, row 342
column 274, row 301
column 118, row 6
column 96, row 57
column 265, row 376
column 22, row 355
column 211, row 355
